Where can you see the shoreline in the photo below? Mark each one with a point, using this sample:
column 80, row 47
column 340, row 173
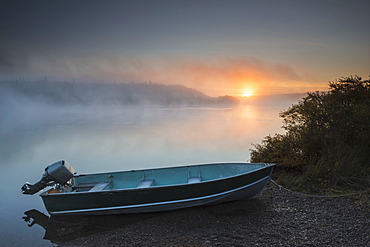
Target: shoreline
column 274, row 218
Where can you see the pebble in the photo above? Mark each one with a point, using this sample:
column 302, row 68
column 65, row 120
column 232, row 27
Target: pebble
column 274, row 218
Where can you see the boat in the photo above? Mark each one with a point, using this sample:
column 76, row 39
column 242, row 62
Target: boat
column 147, row 190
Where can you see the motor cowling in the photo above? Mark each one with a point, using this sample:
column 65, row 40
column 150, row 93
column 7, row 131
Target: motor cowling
column 59, row 172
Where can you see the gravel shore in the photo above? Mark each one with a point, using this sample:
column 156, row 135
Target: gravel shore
column 274, row 218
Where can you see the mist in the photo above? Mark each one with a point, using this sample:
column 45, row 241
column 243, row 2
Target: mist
column 129, row 125
column 100, row 127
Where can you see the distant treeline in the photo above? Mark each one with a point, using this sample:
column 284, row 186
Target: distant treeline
column 72, row 93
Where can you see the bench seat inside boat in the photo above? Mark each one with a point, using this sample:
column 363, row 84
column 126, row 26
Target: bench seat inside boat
column 91, row 186
column 145, row 183
column 193, row 180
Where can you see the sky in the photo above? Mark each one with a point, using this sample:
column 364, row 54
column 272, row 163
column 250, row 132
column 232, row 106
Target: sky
column 233, row 47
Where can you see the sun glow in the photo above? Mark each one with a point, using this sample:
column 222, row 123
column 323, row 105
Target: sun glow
column 247, row 93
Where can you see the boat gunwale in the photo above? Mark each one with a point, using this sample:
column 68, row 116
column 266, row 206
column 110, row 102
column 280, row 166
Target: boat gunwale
column 266, row 165
column 181, row 166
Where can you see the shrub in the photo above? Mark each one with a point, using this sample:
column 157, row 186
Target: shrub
column 327, row 139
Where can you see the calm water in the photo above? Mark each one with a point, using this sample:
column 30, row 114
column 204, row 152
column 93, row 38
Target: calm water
column 99, row 139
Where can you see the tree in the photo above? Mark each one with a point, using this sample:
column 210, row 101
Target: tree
column 327, row 137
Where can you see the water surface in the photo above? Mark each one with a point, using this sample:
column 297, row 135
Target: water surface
column 101, row 139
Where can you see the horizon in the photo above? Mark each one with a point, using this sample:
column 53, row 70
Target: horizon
column 220, row 48
column 149, row 83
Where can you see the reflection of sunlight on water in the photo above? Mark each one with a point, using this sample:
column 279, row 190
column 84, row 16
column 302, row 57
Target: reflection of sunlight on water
column 127, row 139
column 257, row 113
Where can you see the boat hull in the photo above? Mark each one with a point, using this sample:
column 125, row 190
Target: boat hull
column 161, row 198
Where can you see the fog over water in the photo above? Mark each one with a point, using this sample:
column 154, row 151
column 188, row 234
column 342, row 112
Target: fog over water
column 36, row 131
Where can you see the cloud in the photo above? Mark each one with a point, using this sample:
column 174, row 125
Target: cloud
column 236, row 72
column 216, row 75
column 209, row 74
column 212, row 75
column 13, row 61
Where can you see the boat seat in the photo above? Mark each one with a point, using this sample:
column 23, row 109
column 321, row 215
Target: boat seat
column 145, row 183
column 100, row 186
column 90, row 186
column 193, row 180
column 85, row 185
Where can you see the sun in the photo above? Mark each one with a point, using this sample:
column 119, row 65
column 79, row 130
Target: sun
column 247, row 93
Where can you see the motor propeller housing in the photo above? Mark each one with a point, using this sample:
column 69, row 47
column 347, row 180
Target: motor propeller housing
column 59, row 172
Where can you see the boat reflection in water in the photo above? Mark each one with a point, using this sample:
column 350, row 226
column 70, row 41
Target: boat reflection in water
column 67, row 228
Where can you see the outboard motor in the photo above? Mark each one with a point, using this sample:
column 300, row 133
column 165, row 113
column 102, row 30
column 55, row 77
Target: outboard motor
column 58, row 173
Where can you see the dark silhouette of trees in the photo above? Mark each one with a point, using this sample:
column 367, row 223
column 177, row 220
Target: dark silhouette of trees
column 73, row 93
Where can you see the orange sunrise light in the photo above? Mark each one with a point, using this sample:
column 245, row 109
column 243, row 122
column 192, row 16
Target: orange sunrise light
column 247, row 93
